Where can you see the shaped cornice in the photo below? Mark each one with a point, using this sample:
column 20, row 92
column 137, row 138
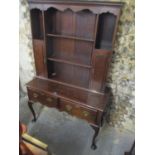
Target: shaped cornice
column 77, row 8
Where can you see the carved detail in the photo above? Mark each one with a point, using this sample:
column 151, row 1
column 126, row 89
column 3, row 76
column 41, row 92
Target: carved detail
column 68, row 107
column 86, row 113
column 93, row 9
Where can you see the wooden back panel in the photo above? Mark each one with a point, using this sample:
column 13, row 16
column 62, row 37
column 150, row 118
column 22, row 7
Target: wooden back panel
column 80, row 24
column 36, row 24
column 69, row 73
column 105, row 31
column 38, row 49
column 75, row 51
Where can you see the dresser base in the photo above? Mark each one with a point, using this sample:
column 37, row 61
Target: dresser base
column 41, row 91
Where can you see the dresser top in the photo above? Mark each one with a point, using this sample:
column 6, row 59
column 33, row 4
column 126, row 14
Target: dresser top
column 97, row 7
column 90, row 99
column 88, row 2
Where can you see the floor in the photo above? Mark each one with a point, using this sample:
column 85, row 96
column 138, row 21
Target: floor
column 67, row 135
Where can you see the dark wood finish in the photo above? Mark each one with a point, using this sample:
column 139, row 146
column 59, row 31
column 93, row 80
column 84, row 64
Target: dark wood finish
column 77, row 102
column 79, row 96
column 106, row 27
column 73, row 43
column 70, row 50
column 37, row 24
column 38, row 96
column 69, row 62
column 76, row 6
column 100, row 59
column 57, row 22
column 69, row 73
column 70, row 37
column 80, row 111
column 39, row 57
column 30, row 103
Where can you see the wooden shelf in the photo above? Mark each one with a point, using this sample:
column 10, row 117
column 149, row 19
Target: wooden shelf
column 69, row 62
column 69, row 37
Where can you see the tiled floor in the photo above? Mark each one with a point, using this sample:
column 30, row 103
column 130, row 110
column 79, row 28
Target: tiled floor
column 67, row 135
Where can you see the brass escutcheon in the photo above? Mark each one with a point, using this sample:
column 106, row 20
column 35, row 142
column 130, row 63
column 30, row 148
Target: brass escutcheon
column 68, row 107
column 49, row 99
column 35, row 95
column 85, row 113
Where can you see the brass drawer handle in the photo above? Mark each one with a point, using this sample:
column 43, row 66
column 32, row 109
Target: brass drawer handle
column 35, row 95
column 49, row 99
column 85, row 113
column 68, row 107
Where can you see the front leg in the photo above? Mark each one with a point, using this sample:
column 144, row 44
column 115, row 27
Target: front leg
column 93, row 145
column 30, row 103
column 101, row 122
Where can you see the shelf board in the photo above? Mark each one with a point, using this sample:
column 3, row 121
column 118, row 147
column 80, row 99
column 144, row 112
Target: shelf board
column 69, row 37
column 69, row 62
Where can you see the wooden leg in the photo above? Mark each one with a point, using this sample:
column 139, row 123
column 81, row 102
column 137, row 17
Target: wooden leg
column 102, row 121
column 94, row 146
column 103, row 118
column 32, row 110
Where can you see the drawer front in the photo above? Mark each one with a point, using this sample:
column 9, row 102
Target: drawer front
column 43, row 98
column 80, row 112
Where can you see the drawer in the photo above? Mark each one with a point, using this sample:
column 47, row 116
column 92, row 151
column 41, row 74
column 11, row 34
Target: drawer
column 43, row 98
column 79, row 111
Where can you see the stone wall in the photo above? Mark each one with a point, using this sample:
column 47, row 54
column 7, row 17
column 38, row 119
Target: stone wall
column 26, row 59
column 121, row 75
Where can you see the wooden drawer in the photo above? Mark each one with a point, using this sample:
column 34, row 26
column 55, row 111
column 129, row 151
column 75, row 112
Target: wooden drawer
column 79, row 111
column 45, row 99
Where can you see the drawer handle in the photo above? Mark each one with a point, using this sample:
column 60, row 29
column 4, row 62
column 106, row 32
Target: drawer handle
column 68, row 107
column 49, row 99
column 85, row 113
column 35, row 95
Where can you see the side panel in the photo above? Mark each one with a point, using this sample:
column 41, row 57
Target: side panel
column 101, row 60
column 39, row 57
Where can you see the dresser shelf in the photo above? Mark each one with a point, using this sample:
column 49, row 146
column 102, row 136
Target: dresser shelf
column 69, row 37
column 69, row 62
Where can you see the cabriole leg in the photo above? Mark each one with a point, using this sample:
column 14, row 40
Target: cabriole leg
column 94, row 146
column 32, row 110
column 101, row 122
